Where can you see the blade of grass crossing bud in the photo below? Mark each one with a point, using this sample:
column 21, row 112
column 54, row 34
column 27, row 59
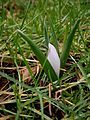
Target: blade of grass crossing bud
column 40, row 56
column 67, row 45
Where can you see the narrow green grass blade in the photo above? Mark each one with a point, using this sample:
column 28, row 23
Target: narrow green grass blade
column 41, row 104
column 38, row 112
column 67, row 45
column 25, row 15
column 54, row 40
column 40, row 56
column 46, row 34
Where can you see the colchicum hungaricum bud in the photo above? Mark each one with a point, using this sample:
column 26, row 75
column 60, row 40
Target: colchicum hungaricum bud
column 54, row 59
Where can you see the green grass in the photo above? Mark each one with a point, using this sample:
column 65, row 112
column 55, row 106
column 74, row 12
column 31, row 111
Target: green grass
column 44, row 21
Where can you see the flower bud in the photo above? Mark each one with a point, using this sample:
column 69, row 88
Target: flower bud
column 54, row 59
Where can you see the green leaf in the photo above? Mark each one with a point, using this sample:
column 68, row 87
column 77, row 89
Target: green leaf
column 67, row 45
column 41, row 57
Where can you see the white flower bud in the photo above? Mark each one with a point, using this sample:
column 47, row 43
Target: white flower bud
column 54, row 59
